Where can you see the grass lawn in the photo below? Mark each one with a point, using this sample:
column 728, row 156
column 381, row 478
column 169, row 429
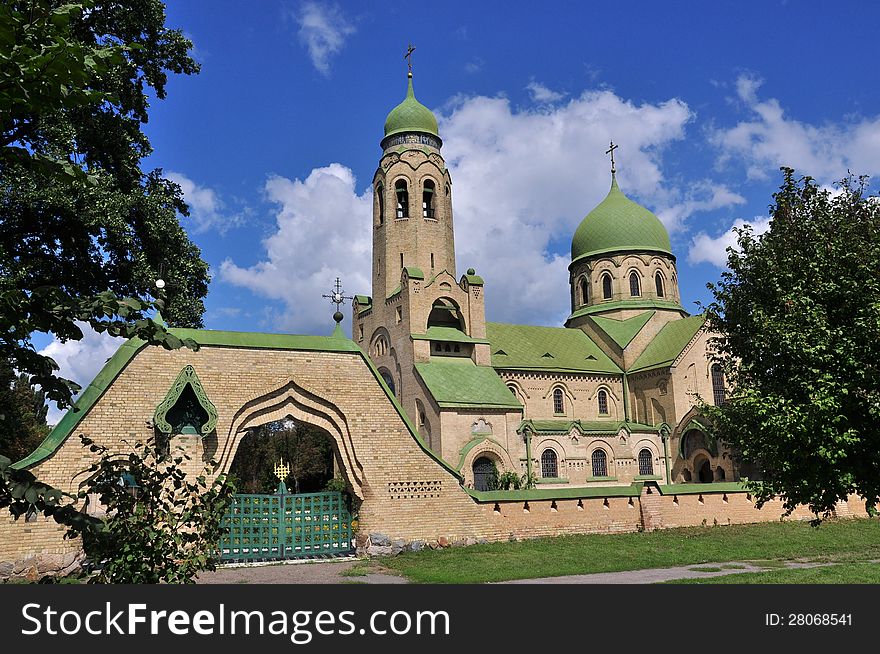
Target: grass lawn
column 841, row 573
column 840, row 540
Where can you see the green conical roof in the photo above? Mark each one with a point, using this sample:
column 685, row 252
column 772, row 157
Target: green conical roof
column 411, row 116
column 619, row 224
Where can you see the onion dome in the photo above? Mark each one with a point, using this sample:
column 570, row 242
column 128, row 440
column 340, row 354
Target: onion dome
column 411, row 116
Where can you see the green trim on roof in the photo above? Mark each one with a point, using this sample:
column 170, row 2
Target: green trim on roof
column 568, row 493
column 455, row 382
column 526, row 347
column 619, row 224
column 396, row 291
column 583, row 426
column 414, row 272
column 364, row 300
column 186, row 377
column 626, row 304
column 623, row 331
column 411, row 116
column 447, row 334
column 669, row 342
column 703, row 489
column 474, row 280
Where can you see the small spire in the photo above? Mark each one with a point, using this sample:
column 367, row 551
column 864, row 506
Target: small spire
column 610, row 151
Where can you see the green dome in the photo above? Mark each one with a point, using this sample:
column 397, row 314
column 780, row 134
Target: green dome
column 411, row 116
column 616, row 224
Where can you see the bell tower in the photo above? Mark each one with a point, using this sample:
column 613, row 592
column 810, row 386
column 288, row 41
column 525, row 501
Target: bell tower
column 412, row 199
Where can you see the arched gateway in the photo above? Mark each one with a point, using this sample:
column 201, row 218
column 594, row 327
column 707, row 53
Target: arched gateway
column 400, row 487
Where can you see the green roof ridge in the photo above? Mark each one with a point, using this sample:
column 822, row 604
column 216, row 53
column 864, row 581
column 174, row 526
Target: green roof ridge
column 623, row 331
column 635, row 303
column 669, row 342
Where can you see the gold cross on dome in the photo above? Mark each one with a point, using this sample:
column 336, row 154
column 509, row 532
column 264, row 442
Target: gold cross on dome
column 282, row 470
column 408, row 56
column 610, row 151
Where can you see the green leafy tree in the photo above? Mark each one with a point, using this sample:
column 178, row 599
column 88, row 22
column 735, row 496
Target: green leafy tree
column 161, row 526
column 26, row 409
column 799, row 318
column 84, row 231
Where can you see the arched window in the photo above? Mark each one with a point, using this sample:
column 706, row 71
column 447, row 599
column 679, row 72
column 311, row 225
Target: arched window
column 717, row 384
column 634, row 286
column 646, row 462
column 445, row 313
column 600, row 463
column 380, row 196
column 402, row 198
column 558, row 401
column 389, row 381
column 606, row 286
column 484, row 474
column 549, row 468
column 428, row 199
column 512, row 389
column 658, row 282
column 603, row 403
column 585, row 291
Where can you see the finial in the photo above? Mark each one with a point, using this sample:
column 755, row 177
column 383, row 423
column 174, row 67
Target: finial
column 337, row 296
column 408, row 56
column 610, row 151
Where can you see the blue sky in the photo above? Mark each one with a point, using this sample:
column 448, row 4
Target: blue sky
column 276, row 141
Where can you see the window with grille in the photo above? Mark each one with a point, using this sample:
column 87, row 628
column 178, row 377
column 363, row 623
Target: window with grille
column 600, row 463
column 558, row 401
column 646, row 462
column 658, row 281
column 603, row 403
column 634, row 288
column 717, row 384
column 549, row 467
column 606, row 286
column 402, row 198
column 428, row 199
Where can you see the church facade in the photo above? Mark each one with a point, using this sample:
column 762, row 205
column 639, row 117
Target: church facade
column 607, row 399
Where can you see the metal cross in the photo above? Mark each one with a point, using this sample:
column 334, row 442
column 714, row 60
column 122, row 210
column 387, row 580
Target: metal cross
column 408, row 56
column 610, row 151
column 337, row 296
column 282, row 470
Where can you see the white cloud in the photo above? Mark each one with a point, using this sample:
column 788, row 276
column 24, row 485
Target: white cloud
column 703, row 195
column 714, row 250
column 81, row 360
column 323, row 30
column 770, row 139
column 542, row 94
column 475, row 65
column 323, row 232
column 207, row 210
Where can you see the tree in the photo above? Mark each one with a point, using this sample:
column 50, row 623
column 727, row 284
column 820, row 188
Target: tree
column 161, row 526
column 84, row 231
column 26, row 407
column 799, row 320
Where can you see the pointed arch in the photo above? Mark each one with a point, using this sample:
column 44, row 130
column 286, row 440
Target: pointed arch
column 187, row 377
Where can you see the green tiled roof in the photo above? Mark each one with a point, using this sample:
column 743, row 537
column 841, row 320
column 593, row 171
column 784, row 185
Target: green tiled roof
column 668, row 343
column 473, row 278
column 457, row 382
column 410, row 116
column 364, row 300
column 623, row 331
column 583, row 426
column 413, row 272
column 448, row 334
column 526, row 347
column 619, row 224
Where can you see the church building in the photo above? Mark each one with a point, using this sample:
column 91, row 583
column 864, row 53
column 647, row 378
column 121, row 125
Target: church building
column 607, row 399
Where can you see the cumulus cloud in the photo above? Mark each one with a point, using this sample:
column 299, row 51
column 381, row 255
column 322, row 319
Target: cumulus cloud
column 207, row 209
column 323, row 29
column 81, row 360
column 705, row 248
column 542, row 94
column 702, row 195
column 770, row 138
column 323, row 232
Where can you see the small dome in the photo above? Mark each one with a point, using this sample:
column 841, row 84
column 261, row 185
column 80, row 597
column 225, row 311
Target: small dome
column 411, row 116
column 619, row 224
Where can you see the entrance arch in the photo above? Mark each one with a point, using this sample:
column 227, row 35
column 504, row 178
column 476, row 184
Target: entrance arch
column 484, row 474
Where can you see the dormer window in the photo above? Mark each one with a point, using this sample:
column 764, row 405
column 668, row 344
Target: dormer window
column 402, row 198
column 428, row 199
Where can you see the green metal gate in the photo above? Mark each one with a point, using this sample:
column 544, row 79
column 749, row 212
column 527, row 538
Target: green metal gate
column 286, row 526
